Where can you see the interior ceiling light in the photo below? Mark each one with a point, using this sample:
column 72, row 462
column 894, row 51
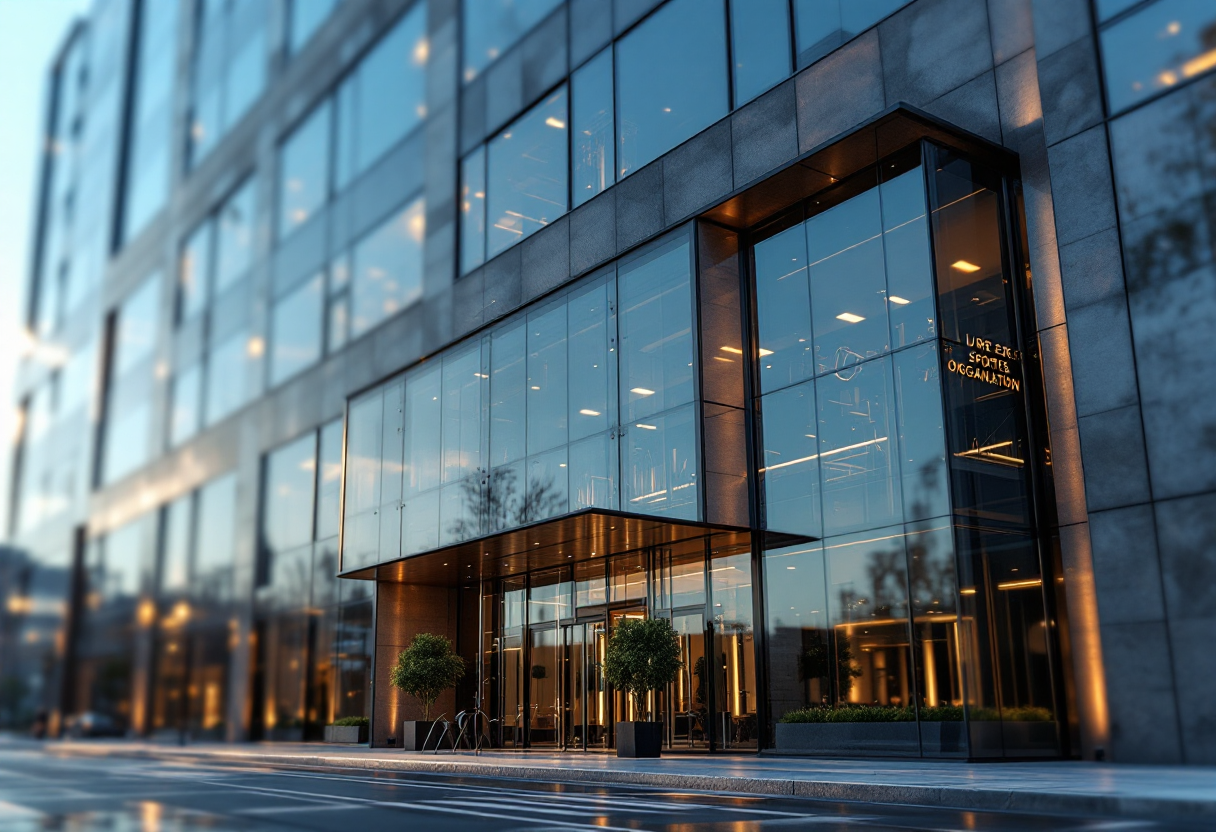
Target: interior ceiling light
column 896, row 299
column 587, row 412
column 849, row 317
column 646, row 427
column 964, row 266
column 764, row 352
column 733, row 350
column 642, row 391
column 555, row 122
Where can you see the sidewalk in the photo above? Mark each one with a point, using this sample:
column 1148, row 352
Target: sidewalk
column 1052, row 787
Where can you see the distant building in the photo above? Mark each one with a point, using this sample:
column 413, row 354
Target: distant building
column 867, row 342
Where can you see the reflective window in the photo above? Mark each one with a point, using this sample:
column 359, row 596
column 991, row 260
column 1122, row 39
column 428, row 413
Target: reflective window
column 527, row 174
column 760, row 46
column 791, row 461
column 306, row 16
column 290, row 477
column 329, row 480
column 215, row 555
column 152, row 115
column 175, row 547
column 1162, row 45
column 822, row 25
column 783, row 309
column 194, row 273
column 226, row 376
column 135, row 327
column 304, row 171
column 387, row 268
column 229, row 71
column 660, row 465
column 295, row 330
column 473, row 210
column 391, row 88
column 591, row 112
column 508, row 398
column 547, row 379
column 918, row 392
column 491, row 27
column 185, row 400
column 234, row 237
column 671, row 80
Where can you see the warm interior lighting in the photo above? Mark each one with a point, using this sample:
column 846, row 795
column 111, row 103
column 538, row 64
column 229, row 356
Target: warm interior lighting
column 642, row 391
column 849, row 317
column 964, row 266
column 555, row 122
column 1199, row 64
column 587, row 412
column 1025, row 583
column 255, row 347
column 988, row 454
column 764, row 352
column 896, row 299
column 967, row 590
column 825, row 453
column 734, row 350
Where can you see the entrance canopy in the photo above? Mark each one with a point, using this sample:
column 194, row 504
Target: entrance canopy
column 583, row 535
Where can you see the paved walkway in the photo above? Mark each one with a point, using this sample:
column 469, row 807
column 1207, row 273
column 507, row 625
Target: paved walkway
column 1064, row 787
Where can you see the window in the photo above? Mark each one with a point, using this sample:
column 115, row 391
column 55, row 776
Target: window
column 760, row 40
column 218, row 253
column 1162, row 45
column 594, row 160
column 215, row 544
column 128, row 406
column 194, row 273
column 304, row 171
column 227, row 365
column 820, row 26
column 671, row 80
column 185, row 404
column 473, row 210
column 296, row 322
column 135, row 327
column 306, row 16
column 234, row 237
column 288, row 494
column 491, row 27
column 527, row 174
column 387, row 268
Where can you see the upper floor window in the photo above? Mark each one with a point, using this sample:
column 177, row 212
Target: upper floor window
column 304, row 19
column 491, row 27
column 1156, row 48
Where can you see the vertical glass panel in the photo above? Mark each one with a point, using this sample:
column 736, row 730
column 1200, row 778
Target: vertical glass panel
column 760, row 45
column 547, row 493
column 392, row 87
column 473, row 210
column 306, row 17
column 388, row 268
column 337, row 328
column 858, row 449
column 461, row 414
column 235, row 225
column 346, row 112
column 527, row 174
column 868, row 608
column 226, row 376
column 922, row 438
column 656, row 358
column 505, row 501
column 590, row 585
column 791, row 461
column 547, row 382
column 420, row 526
column 671, row 80
column 544, row 682
column 135, row 335
column 175, row 548
column 215, row 555
column 185, row 397
column 935, row 637
column 593, row 473
column 508, row 402
column 363, row 437
column 194, row 273
column 423, row 420
column 391, row 467
column 848, row 278
column 594, row 132
column 245, row 70
column 296, row 331
column 491, row 27
column 549, row 596
column 661, row 465
column 783, row 309
column 734, row 648
column 329, row 480
column 822, row 25
column 1162, row 45
column 304, row 170
column 627, row 578
column 459, row 512
column 910, row 300
column 801, row 671
column 288, row 496
column 590, row 381
column 681, row 577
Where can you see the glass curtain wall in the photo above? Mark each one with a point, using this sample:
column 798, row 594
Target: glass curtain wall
column 894, row 431
column 586, row 401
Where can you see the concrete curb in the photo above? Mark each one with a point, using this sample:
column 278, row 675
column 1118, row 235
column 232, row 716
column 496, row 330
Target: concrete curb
column 978, row 799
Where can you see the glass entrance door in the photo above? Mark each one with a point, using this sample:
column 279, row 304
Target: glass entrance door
column 586, row 695
column 545, row 689
column 689, row 697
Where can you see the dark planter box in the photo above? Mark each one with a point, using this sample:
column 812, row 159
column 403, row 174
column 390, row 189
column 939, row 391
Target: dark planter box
column 894, row 738
column 943, row 737
column 415, row 732
column 639, row 739
column 350, row 734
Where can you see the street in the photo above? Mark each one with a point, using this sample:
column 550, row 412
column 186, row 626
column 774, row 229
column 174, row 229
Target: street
column 43, row 790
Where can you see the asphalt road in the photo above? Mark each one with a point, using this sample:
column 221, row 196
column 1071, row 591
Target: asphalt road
column 42, row 791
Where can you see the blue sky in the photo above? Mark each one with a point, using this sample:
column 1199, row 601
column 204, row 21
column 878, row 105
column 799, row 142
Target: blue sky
column 30, row 33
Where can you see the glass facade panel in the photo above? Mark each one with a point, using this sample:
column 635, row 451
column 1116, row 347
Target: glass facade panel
column 185, row 403
column 391, row 88
column 760, row 46
column 822, row 25
column 660, row 461
column 234, row 233
column 227, row 387
column 473, row 210
column 135, row 328
column 547, row 381
column 288, row 496
column 304, row 170
column 592, row 348
column 527, row 174
column 493, row 26
column 783, row 310
column 792, row 499
column 735, row 694
column 671, row 80
column 194, row 273
column 592, row 112
column 306, row 16
column 387, row 268
column 151, row 124
column 214, row 554
column 295, row 339
column 1164, row 44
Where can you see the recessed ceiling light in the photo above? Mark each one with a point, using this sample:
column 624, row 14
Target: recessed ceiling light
column 964, row 266
column 734, row 350
column 588, row 412
column 555, row 122
column 898, row 300
column 849, row 317
column 646, row 427
column 642, row 391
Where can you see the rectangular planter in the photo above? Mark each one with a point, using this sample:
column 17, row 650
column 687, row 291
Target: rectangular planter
column 639, row 739
column 414, row 733
column 349, row 734
column 895, row 738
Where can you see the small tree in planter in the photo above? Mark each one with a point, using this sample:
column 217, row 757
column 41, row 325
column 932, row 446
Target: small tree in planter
column 643, row 655
column 424, row 670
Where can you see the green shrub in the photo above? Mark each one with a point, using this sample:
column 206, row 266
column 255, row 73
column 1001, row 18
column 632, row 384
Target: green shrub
column 351, row 722
column 894, row 713
column 643, row 655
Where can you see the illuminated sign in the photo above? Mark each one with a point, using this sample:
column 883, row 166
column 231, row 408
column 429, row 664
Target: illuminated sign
column 989, row 362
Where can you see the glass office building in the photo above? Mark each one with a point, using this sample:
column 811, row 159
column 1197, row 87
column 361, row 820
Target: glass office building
column 831, row 332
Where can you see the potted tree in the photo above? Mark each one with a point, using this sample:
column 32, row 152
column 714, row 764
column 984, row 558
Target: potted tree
column 643, row 655
column 424, row 670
